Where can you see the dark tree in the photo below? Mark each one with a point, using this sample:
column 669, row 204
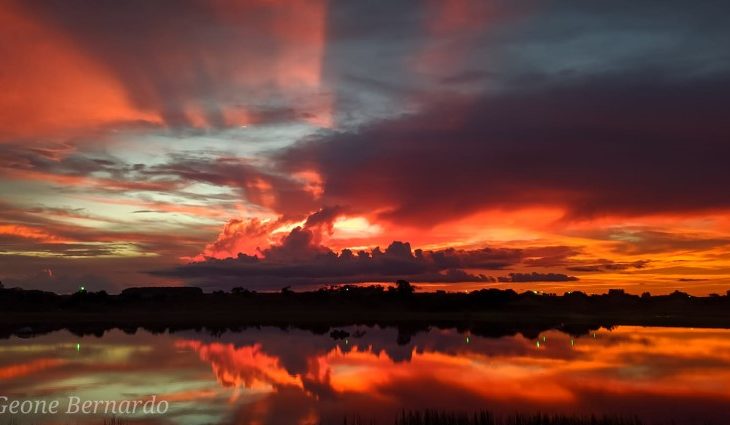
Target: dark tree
column 404, row 287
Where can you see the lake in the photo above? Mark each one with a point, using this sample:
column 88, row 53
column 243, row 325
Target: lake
column 294, row 376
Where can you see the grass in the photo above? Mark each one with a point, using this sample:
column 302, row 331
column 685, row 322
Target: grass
column 437, row 417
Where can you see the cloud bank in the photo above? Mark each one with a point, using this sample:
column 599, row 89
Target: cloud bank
column 299, row 260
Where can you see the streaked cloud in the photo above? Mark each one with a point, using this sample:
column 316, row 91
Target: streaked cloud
column 587, row 138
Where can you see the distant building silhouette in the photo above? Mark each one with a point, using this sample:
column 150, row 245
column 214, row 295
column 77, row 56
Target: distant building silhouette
column 162, row 292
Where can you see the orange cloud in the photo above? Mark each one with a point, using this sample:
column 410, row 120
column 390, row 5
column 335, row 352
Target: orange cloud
column 298, row 29
column 49, row 86
column 28, row 232
column 240, row 236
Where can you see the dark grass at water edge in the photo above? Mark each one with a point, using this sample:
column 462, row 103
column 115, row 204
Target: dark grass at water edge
column 483, row 417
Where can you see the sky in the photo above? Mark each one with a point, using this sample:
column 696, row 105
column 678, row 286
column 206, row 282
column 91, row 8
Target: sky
column 458, row 144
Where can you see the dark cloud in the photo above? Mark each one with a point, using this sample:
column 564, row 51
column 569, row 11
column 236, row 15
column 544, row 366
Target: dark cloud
column 64, row 274
column 647, row 241
column 47, row 230
column 537, row 277
column 607, row 266
column 73, row 169
column 611, row 144
column 324, row 217
column 260, row 186
column 550, row 256
column 297, row 260
column 300, row 260
column 13, row 244
column 98, row 172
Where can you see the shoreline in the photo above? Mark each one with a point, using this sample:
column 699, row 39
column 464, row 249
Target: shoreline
column 492, row 311
column 486, row 323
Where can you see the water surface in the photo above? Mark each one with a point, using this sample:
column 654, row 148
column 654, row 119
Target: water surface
column 275, row 376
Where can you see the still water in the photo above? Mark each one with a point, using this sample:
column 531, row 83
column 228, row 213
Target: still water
column 275, row 376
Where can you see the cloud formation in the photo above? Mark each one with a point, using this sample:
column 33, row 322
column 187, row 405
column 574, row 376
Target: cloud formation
column 299, row 260
column 543, row 140
column 202, row 64
column 537, row 277
column 627, row 144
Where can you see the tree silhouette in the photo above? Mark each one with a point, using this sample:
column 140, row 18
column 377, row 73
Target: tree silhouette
column 403, row 287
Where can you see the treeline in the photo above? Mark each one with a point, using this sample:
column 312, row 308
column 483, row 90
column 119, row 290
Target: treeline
column 491, row 312
column 402, row 296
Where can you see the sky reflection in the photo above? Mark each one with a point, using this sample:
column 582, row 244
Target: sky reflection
column 272, row 376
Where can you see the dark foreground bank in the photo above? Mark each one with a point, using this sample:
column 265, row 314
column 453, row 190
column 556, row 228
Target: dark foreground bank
column 489, row 311
column 435, row 417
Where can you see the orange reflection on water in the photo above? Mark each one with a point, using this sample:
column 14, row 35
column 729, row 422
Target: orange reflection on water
column 365, row 371
column 633, row 369
column 246, row 367
column 668, row 362
column 274, row 376
column 33, row 366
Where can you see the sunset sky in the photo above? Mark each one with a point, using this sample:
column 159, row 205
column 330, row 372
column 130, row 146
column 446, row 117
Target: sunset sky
column 556, row 145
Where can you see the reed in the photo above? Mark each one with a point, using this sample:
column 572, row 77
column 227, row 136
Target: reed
column 439, row 417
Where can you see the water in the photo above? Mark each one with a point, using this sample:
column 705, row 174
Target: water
column 274, row 376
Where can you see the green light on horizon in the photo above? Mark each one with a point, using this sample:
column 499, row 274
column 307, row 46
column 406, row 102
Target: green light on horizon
column 78, row 347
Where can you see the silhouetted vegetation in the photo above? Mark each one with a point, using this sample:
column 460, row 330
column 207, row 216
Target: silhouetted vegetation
column 436, row 417
column 489, row 312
